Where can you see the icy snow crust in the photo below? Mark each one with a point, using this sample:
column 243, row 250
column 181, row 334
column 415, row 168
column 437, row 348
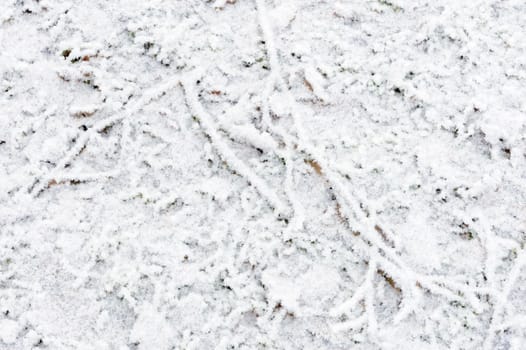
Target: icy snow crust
column 260, row 174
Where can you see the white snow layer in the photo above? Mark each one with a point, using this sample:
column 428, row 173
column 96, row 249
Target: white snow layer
column 253, row 174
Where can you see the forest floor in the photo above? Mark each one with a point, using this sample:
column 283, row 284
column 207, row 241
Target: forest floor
column 252, row 174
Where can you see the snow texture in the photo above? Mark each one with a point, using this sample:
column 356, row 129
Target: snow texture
column 262, row 174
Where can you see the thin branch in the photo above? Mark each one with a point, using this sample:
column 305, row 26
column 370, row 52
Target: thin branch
column 226, row 153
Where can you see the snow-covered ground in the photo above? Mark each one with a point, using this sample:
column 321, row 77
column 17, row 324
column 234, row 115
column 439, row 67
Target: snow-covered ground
column 252, row 174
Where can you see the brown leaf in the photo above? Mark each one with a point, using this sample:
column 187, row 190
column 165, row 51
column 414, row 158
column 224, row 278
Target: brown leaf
column 314, row 165
column 389, row 280
column 308, row 85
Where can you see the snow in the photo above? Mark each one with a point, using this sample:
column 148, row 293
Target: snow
column 9, row 330
column 249, row 174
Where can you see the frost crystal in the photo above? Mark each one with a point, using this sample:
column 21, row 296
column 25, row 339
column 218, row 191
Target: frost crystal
column 257, row 174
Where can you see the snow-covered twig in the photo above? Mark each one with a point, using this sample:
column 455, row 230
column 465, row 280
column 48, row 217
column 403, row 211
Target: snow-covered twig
column 226, row 153
column 82, row 139
column 502, row 299
column 353, row 205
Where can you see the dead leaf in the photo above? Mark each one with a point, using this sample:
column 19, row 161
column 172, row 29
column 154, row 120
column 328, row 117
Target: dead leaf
column 389, row 280
column 308, row 85
column 314, row 165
